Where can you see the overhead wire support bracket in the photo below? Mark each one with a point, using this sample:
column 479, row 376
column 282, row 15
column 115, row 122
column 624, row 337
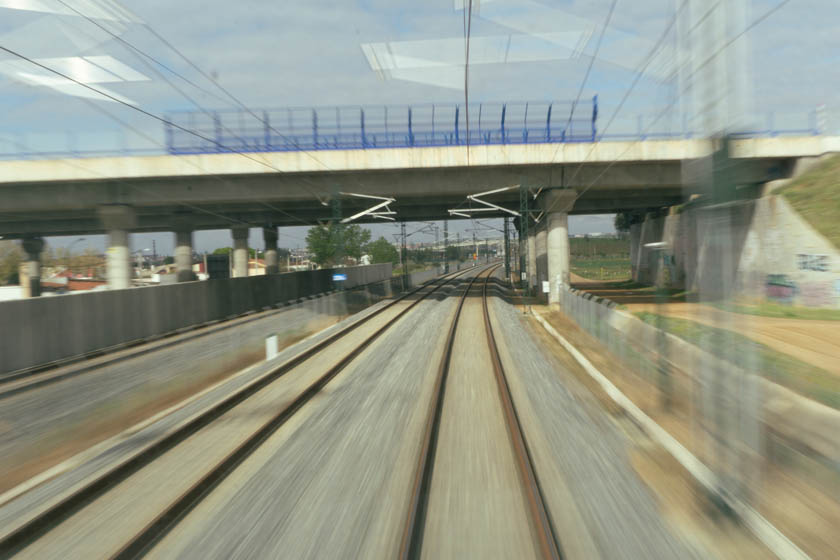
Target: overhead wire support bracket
column 373, row 210
column 463, row 212
column 476, row 198
column 487, row 206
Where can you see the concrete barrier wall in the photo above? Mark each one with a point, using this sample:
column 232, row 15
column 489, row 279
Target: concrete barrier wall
column 38, row 331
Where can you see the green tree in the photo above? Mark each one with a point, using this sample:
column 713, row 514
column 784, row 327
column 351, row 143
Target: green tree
column 421, row 256
column 623, row 220
column 330, row 244
column 222, row 251
column 10, row 258
column 454, row 254
column 382, row 251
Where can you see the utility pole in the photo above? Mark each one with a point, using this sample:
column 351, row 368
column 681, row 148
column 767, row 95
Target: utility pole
column 446, row 246
column 403, row 254
column 475, row 247
column 524, row 216
column 486, row 249
column 437, row 246
column 336, row 220
column 507, row 251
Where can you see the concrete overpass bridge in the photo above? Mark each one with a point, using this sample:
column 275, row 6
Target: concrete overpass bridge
column 243, row 186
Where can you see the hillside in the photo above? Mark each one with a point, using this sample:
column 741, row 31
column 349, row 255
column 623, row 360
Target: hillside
column 816, row 197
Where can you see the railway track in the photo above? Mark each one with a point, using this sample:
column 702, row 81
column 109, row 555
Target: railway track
column 153, row 469
column 452, row 523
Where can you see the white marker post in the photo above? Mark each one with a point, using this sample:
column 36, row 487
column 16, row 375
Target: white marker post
column 271, row 347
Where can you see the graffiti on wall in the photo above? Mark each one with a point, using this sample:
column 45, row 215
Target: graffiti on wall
column 780, row 288
column 817, row 294
column 816, row 263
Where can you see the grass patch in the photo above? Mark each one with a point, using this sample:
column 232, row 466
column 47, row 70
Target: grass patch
column 816, row 196
column 803, row 378
column 601, row 268
column 781, row 311
column 412, row 267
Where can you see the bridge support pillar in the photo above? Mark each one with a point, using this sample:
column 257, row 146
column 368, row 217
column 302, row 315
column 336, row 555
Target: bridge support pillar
column 30, row 279
column 118, row 220
column 183, row 254
column 271, row 262
column 556, row 204
column 240, row 252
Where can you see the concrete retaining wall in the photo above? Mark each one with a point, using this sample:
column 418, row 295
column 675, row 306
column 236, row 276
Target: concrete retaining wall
column 38, row 331
column 759, row 250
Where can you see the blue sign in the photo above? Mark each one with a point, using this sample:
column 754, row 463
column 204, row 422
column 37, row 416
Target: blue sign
column 339, row 277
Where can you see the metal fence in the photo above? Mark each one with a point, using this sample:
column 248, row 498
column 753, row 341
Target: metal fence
column 387, row 126
column 736, row 419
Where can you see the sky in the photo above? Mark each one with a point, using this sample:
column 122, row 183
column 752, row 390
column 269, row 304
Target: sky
column 318, row 53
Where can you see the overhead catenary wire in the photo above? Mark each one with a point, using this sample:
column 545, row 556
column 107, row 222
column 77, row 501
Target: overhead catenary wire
column 146, row 58
column 142, row 56
column 71, row 163
column 148, row 114
column 227, row 182
column 639, row 72
column 671, row 104
column 139, row 51
column 467, row 32
column 230, row 96
column 588, row 70
column 129, row 105
column 235, row 99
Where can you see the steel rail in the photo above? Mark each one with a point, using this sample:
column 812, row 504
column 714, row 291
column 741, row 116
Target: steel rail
column 543, row 526
column 412, row 539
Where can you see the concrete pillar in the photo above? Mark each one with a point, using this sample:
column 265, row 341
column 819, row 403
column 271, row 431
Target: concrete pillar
column 271, row 262
column 118, row 221
column 183, row 255
column 532, row 258
column 30, row 280
column 240, row 252
column 558, row 254
column 557, row 203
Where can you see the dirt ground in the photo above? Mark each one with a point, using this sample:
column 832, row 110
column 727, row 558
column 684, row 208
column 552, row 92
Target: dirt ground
column 812, row 341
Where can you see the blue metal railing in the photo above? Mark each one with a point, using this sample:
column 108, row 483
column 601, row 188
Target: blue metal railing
column 388, row 126
column 384, row 127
